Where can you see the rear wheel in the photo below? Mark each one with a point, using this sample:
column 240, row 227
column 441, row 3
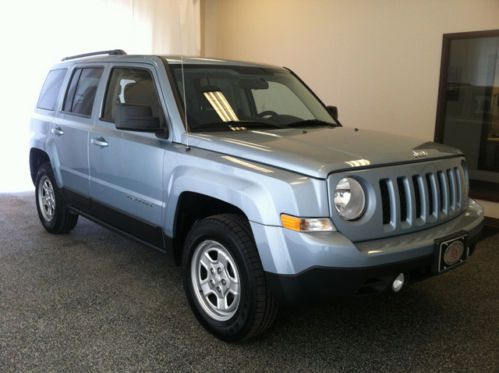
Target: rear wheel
column 52, row 211
column 224, row 279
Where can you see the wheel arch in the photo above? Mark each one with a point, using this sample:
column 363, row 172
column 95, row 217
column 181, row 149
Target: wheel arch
column 40, row 153
column 37, row 157
column 192, row 207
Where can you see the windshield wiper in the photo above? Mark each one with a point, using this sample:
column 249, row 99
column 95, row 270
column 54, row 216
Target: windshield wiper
column 233, row 125
column 252, row 124
column 311, row 123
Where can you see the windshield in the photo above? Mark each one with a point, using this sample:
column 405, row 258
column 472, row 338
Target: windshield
column 225, row 98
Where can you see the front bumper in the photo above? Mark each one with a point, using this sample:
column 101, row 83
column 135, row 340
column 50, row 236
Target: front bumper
column 303, row 266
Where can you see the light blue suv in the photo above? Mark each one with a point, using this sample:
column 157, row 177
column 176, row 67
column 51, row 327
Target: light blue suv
column 249, row 181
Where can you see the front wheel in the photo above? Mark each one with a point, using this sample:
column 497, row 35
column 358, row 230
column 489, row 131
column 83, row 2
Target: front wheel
column 224, row 279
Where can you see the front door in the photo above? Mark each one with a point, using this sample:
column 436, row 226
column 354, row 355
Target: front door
column 126, row 168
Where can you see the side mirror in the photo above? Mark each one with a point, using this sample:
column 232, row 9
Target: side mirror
column 333, row 110
column 136, row 118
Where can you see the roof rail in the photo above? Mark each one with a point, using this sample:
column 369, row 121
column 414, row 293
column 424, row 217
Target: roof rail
column 112, row 52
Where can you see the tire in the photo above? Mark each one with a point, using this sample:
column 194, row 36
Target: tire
column 225, row 243
column 52, row 211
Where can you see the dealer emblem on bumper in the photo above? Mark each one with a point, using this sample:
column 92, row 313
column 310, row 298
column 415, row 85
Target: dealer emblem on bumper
column 453, row 253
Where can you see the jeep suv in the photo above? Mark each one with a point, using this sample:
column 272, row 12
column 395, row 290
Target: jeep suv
column 248, row 180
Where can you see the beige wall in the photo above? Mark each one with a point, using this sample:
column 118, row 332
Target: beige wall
column 377, row 60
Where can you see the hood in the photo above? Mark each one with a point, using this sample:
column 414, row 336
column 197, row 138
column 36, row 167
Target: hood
column 316, row 152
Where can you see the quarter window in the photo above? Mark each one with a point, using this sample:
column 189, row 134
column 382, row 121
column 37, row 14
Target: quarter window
column 82, row 89
column 134, row 87
column 50, row 90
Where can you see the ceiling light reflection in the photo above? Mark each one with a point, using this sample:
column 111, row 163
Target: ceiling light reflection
column 247, row 164
column 358, row 163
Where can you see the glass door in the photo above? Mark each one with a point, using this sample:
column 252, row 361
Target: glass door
column 468, row 107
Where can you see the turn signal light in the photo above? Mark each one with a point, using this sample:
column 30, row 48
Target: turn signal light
column 307, row 224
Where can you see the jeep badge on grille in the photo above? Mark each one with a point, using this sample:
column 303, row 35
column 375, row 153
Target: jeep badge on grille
column 419, row 154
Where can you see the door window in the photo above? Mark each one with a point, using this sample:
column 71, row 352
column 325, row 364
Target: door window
column 134, row 87
column 82, row 89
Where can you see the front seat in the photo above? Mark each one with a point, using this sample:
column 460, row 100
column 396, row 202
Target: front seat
column 143, row 92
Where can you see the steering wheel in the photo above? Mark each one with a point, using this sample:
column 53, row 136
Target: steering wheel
column 267, row 114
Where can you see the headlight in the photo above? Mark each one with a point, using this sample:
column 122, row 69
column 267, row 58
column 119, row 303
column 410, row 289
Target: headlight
column 349, row 198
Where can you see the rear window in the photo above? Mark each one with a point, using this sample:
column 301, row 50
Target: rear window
column 81, row 92
column 50, row 90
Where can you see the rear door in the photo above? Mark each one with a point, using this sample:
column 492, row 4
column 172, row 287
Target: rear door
column 70, row 129
column 126, row 167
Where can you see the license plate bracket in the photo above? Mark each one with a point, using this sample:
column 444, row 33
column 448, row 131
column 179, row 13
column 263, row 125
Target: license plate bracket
column 450, row 252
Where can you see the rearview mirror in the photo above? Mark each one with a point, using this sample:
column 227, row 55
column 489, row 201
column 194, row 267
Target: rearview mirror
column 136, row 118
column 253, row 83
column 333, row 110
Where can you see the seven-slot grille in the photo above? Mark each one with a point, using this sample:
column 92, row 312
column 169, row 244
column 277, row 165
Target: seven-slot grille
column 416, row 200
